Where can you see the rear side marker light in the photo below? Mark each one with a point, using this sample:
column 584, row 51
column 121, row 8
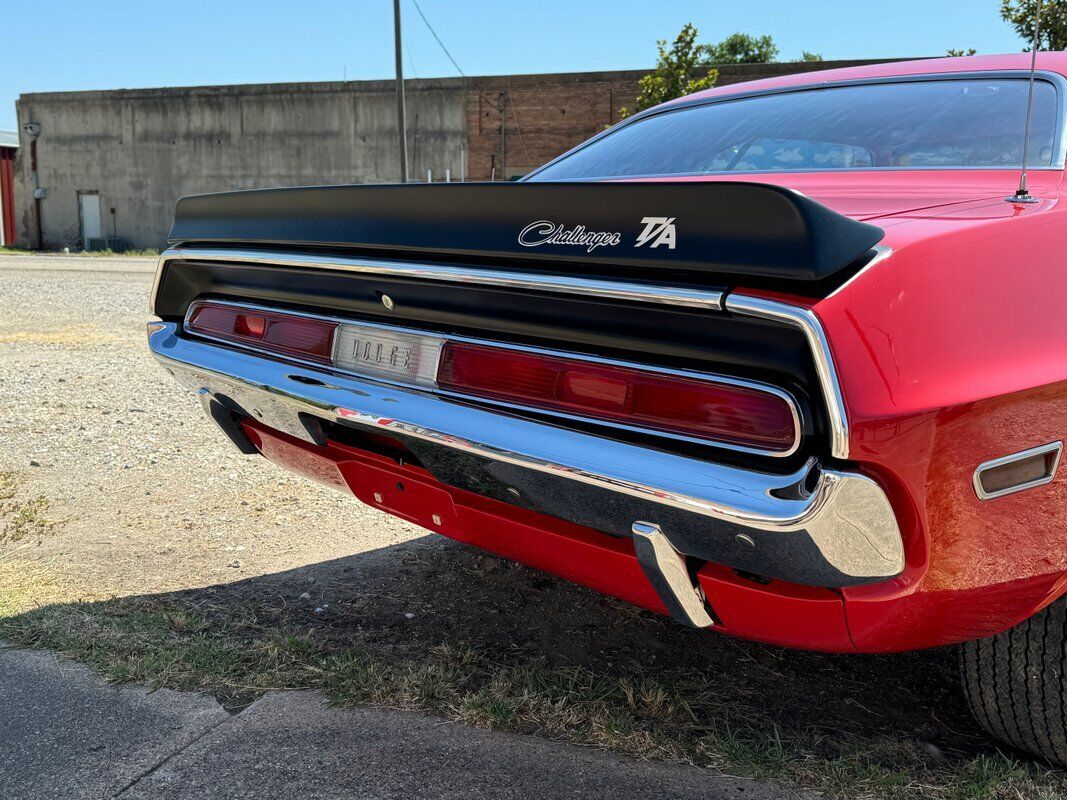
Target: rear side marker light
column 718, row 412
column 306, row 338
column 1019, row 471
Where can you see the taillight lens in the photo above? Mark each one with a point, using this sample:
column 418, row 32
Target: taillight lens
column 706, row 409
column 719, row 412
column 306, row 338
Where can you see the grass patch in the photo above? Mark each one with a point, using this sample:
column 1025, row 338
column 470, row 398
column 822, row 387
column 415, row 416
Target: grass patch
column 144, row 252
column 241, row 649
column 21, row 518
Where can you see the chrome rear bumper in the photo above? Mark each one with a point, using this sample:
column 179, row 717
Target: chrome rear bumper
column 816, row 526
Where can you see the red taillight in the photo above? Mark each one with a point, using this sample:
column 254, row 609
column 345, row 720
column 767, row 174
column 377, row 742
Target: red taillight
column 306, row 338
column 713, row 410
column 721, row 412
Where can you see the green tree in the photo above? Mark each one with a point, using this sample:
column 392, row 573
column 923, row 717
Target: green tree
column 1021, row 14
column 684, row 67
column 954, row 53
column 680, row 70
column 740, row 48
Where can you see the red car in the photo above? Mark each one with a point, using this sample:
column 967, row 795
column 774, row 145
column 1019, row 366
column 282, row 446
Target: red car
column 786, row 360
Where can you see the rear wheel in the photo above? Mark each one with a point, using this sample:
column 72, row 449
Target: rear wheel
column 1016, row 684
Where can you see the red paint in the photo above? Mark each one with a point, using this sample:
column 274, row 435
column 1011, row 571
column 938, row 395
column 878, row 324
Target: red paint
column 951, row 352
column 1055, row 61
column 7, row 195
column 777, row 613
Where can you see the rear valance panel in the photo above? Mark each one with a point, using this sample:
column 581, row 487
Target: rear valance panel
column 723, row 229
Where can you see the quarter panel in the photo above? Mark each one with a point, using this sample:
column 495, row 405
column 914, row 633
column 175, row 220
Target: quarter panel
column 952, row 353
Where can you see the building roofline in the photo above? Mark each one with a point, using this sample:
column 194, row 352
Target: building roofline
column 736, row 72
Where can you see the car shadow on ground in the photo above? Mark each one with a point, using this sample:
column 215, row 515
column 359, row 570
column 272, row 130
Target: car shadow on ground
column 436, row 625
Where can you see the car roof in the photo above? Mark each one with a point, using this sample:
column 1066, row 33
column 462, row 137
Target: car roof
column 1055, row 61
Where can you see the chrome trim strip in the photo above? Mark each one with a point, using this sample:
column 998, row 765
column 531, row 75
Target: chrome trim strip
column 666, row 570
column 704, row 299
column 845, row 515
column 707, row 377
column 1052, row 447
column 881, row 253
column 805, row 320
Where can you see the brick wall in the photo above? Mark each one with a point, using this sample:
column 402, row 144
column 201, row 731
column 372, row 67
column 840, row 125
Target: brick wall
column 518, row 122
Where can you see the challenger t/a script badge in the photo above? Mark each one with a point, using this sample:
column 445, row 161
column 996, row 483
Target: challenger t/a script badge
column 657, row 231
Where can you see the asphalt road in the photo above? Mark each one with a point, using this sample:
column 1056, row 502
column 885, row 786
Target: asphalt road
column 66, row 735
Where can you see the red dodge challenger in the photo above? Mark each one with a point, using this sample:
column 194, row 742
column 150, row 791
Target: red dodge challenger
column 785, row 359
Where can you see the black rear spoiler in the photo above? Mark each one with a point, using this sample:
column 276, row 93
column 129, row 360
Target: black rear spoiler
column 716, row 228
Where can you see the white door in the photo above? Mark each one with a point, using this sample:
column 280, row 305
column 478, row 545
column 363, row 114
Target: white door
column 89, row 208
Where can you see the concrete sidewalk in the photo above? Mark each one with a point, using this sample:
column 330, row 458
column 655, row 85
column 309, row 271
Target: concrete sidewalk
column 65, row 734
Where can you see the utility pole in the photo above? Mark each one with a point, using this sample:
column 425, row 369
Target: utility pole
column 401, row 117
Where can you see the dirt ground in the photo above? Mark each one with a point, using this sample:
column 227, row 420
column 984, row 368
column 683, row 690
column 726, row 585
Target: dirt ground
column 113, row 485
column 149, row 497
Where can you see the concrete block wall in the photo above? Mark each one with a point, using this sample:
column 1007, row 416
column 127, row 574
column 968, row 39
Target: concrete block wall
column 142, row 149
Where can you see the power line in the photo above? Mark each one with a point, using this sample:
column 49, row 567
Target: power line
column 407, row 47
column 438, row 38
column 482, row 95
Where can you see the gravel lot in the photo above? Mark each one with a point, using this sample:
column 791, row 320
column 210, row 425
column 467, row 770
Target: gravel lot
column 149, row 496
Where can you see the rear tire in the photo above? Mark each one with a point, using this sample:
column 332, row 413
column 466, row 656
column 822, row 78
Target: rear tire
column 1016, row 683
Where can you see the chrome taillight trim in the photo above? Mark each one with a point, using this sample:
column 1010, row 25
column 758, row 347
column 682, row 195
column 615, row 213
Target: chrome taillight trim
column 806, row 321
column 704, row 299
column 710, row 300
column 1055, row 448
column 714, row 378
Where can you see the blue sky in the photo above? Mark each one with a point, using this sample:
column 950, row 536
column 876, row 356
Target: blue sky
column 55, row 45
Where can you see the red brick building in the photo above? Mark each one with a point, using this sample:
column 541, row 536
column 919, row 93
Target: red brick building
column 9, row 143
column 518, row 122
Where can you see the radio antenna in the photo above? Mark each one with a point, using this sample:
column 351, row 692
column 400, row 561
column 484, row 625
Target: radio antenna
column 1022, row 194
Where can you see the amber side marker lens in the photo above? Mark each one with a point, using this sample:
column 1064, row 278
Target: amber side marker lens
column 1019, row 471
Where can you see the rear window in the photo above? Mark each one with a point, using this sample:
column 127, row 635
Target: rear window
column 977, row 123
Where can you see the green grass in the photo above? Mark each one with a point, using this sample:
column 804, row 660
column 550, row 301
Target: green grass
column 133, row 253
column 238, row 651
column 20, row 518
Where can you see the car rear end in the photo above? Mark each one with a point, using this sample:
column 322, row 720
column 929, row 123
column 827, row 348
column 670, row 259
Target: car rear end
column 609, row 413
